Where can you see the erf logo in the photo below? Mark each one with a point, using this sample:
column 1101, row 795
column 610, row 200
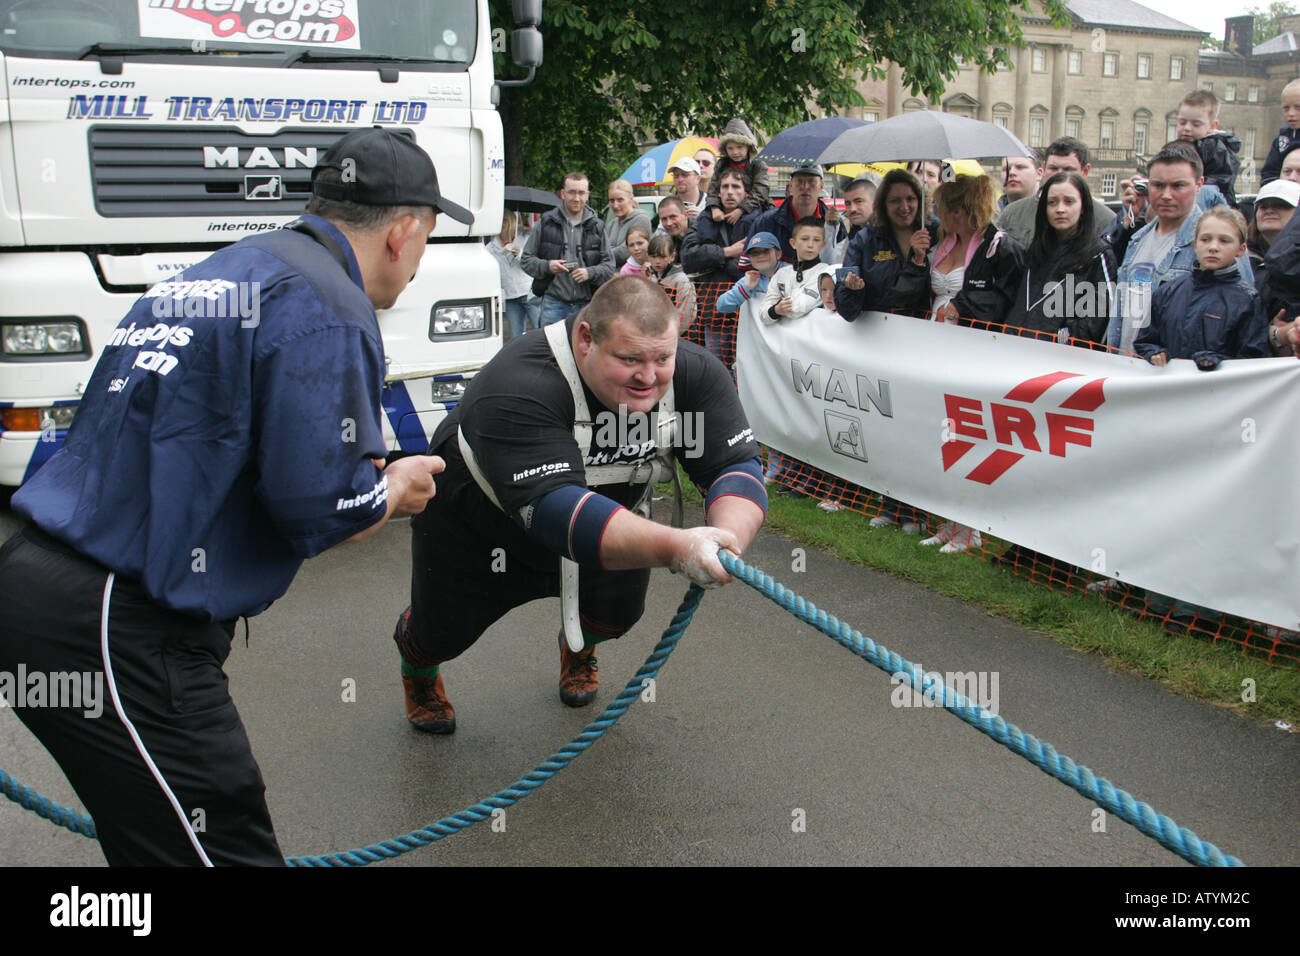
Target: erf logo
column 968, row 417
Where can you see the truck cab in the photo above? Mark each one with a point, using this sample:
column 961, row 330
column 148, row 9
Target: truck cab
column 137, row 136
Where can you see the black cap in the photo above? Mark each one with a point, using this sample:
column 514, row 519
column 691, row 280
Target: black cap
column 383, row 168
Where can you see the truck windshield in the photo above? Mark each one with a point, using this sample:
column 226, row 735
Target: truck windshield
column 436, row 31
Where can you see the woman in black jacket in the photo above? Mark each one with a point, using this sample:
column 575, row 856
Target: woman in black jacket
column 1069, row 280
column 971, row 278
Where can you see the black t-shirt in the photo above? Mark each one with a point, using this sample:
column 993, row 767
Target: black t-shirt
column 518, row 415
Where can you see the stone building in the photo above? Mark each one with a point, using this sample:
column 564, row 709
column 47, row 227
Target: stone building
column 1113, row 79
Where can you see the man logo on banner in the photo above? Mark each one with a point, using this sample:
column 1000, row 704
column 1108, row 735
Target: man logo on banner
column 968, row 417
column 845, row 435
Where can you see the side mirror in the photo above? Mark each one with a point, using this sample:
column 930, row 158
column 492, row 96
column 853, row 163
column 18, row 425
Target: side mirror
column 526, row 47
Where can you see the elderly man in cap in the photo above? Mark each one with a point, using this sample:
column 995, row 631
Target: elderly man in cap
column 211, row 454
column 803, row 199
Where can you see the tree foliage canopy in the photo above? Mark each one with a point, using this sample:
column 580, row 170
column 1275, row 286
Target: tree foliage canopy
column 616, row 74
column 1267, row 19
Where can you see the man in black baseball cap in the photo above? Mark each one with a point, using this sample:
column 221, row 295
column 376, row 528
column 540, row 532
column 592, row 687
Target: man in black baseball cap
column 231, row 429
column 378, row 167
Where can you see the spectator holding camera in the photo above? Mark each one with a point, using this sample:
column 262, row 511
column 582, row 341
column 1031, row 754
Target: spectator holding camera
column 875, row 254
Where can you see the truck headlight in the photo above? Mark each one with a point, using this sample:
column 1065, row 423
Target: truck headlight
column 60, row 337
column 459, row 318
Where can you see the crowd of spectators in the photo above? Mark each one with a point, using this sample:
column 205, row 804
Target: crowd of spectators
column 1044, row 259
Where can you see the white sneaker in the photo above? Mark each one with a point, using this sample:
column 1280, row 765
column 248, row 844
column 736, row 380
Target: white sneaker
column 911, row 527
column 880, row 521
column 830, row 504
column 941, row 536
column 1106, row 584
column 963, row 539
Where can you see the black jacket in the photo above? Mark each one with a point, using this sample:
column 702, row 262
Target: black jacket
column 1218, row 151
column 988, row 287
column 1053, row 297
column 701, row 250
column 1280, row 288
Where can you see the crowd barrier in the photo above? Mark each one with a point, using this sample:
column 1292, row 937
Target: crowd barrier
column 1274, row 644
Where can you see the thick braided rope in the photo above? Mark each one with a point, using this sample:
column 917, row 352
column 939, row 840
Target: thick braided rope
column 83, row 825
column 535, row 778
column 43, row 806
column 1042, row 755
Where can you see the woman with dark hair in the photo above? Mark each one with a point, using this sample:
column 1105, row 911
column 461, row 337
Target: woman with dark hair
column 874, row 255
column 1069, row 280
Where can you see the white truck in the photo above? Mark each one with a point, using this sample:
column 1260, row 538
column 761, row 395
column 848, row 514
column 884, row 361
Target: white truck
column 136, row 136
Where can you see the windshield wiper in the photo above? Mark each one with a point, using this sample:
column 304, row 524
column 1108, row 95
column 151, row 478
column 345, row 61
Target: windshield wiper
column 309, row 55
column 129, row 49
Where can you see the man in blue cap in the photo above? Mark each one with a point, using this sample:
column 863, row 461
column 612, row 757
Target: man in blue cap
column 230, row 430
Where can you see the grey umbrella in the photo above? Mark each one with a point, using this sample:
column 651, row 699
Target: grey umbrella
column 924, row 134
column 527, row 199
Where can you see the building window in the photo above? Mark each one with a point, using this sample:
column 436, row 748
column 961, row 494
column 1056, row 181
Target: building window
column 1139, row 138
column 1108, row 181
column 1036, row 131
column 1252, row 95
column 1230, row 93
column 871, row 117
column 1109, row 64
column 1073, row 128
column 1248, row 145
column 1171, row 131
column 1107, row 134
column 1040, row 60
column 1207, row 85
column 1000, row 121
column 1076, row 62
column 1144, row 66
column 1175, row 68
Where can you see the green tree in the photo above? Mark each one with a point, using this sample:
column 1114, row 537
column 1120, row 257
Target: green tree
column 1267, row 23
column 615, row 72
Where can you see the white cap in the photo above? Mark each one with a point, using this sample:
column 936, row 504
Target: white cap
column 687, row 165
column 1282, row 189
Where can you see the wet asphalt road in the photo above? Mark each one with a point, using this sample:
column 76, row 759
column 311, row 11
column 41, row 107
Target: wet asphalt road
column 759, row 724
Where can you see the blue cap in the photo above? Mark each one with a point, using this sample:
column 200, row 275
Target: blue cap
column 762, row 240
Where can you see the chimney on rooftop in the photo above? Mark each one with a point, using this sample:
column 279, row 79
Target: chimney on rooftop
column 1239, row 35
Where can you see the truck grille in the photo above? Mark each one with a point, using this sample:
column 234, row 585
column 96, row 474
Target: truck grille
column 146, row 171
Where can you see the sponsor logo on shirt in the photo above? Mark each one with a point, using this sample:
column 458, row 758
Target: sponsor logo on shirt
column 375, row 497
column 550, row 468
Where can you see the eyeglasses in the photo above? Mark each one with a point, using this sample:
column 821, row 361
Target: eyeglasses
column 706, row 163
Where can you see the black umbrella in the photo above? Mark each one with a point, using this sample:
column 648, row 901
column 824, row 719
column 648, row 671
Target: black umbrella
column 804, row 143
column 527, row 199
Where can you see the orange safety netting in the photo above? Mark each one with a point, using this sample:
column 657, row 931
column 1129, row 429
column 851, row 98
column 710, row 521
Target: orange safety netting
column 1275, row 646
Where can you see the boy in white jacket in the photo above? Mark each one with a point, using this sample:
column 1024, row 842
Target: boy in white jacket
column 793, row 292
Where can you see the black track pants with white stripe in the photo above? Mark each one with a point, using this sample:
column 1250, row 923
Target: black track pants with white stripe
column 165, row 769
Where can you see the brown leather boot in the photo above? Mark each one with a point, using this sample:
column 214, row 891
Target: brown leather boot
column 427, row 707
column 578, row 680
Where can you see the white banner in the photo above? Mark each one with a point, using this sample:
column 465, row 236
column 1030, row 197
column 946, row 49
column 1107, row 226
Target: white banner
column 1176, row 480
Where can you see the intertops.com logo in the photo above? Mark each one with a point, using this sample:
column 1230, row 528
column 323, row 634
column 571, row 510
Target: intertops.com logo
column 316, row 22
column 1025, row 426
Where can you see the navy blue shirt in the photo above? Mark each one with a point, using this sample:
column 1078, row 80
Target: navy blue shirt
column 227, row 430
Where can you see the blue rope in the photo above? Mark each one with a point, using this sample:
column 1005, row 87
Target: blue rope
column 79, row 823
column 1042, row 755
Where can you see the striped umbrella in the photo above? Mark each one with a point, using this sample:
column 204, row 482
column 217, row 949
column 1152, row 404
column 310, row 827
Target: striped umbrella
column 651, row 168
